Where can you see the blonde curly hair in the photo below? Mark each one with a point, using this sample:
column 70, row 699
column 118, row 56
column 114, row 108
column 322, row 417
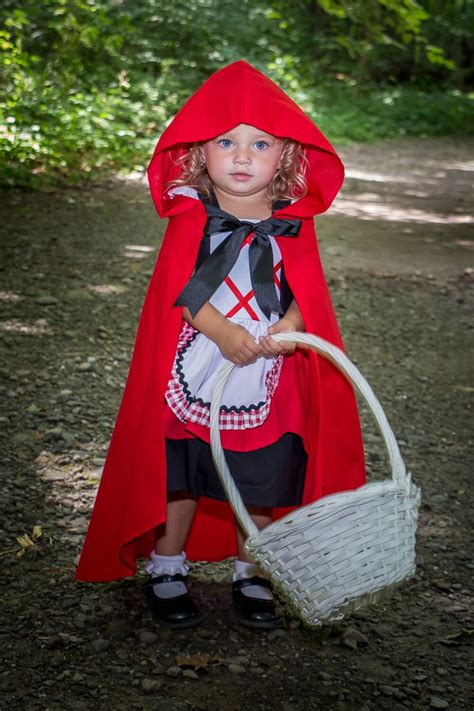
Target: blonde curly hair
column 289, row 181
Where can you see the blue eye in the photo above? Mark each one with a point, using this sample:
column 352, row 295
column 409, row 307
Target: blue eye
column 225, row 142
column 261, row 145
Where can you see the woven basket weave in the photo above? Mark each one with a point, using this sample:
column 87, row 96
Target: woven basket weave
column 341, row 552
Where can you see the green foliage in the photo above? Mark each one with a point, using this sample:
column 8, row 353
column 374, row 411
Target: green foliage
column 86, row 86
column 63, row 108
column 391, row 112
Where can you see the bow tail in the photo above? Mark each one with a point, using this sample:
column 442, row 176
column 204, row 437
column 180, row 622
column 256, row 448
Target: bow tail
column 261, row 274
column 212, row 272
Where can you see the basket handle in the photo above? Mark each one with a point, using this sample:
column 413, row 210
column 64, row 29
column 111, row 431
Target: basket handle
column 342, row 362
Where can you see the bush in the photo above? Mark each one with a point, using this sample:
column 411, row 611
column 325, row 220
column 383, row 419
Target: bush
column 87, row 86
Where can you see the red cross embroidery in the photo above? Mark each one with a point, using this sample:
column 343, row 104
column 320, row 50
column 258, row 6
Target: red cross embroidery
column 242, row 301
column 275, row 270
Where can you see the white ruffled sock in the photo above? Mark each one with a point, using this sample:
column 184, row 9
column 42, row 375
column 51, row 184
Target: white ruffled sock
column 167, row 565
column 242, row 569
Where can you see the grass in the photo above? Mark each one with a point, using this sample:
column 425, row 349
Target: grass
column 376, row 113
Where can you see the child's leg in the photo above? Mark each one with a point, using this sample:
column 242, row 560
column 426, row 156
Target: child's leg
column 244, row 567
column 169, row 558
column 167, row 590
column 180, row 512
column 261, row 517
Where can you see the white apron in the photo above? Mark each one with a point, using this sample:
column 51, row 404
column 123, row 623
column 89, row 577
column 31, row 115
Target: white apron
column 248, row 392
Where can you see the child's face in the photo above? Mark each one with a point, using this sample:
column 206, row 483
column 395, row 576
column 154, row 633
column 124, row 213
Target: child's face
column 243, row 161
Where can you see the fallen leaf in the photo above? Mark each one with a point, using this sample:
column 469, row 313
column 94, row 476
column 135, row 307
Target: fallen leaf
column 25, row 542
column 37, row 533
column 197, row 661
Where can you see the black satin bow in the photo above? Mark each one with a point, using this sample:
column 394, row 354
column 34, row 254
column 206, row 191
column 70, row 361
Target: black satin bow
column 210, row 275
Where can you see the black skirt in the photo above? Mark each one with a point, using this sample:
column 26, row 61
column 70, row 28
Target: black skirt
column 270, row 476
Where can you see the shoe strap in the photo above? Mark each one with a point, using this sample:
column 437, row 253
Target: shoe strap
column 167, row 578
column 254, row 580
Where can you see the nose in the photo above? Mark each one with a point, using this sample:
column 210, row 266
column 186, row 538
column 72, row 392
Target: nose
column 242, row 156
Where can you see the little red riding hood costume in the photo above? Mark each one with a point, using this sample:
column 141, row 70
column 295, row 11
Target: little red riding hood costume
column 131, row 501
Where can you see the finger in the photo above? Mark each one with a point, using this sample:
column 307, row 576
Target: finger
column 281, row 347
column 249, row 355
column 254, row 345
column 270, row 345
column 240, row 360
column 267, row 352
column 281, row 344
column 285, row 345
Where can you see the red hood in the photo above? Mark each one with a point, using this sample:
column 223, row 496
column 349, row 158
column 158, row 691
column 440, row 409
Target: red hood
column 236, row 94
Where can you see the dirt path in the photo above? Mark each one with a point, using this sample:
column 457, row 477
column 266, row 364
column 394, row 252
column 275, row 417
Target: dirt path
column 398, row 254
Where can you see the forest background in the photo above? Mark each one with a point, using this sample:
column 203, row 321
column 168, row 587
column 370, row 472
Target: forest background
column 87, row 86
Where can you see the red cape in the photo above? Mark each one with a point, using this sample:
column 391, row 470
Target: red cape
column 131, row 500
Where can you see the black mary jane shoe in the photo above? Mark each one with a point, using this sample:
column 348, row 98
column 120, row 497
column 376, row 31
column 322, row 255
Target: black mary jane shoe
column 252, row 611
column 177, row 612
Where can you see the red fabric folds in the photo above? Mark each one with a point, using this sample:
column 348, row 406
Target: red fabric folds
column 131, row 500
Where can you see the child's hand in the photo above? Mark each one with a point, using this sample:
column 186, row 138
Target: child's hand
column 237, row 344
column 272, row 348
column 291, row 321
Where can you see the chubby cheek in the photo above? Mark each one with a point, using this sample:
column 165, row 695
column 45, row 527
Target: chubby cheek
column 269, row 163
column 216, row 165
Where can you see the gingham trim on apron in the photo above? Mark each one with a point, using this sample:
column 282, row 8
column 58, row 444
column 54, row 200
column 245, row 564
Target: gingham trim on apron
column 191, row 408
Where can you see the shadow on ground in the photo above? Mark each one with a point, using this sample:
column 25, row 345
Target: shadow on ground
column 397, row 252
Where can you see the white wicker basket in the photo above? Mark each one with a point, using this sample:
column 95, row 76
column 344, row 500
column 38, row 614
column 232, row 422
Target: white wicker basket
column 339, row 553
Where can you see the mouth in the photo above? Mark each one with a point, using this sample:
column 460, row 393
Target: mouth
column 241, row 175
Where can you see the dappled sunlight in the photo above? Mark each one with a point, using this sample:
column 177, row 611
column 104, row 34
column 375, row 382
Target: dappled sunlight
column 466, row 243
column 362, row 197
column 135, row 176
column 374, row 177
column 10, row 296
column 37, row 328
column 139, row 248
column 72, row 486
column 416, row 193
column 106, row 288
column 408, row 177
column 371, row 207
column 137, row 251
column 134, row 255
column 467, row 166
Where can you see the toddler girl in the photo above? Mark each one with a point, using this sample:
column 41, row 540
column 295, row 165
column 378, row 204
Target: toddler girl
column 240, row 172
